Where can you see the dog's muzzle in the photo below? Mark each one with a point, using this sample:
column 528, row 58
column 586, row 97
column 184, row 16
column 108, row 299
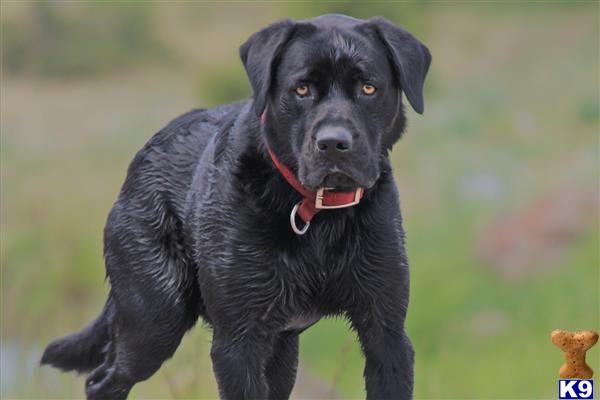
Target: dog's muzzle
column 313, row 202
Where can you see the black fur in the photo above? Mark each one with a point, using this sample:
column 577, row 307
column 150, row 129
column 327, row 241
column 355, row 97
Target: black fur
column 201, row 226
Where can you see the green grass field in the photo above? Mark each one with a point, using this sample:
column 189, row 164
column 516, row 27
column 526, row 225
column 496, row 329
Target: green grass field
column 511, row 118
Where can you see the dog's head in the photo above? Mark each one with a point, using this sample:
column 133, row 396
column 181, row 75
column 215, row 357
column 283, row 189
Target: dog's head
column 330, row 90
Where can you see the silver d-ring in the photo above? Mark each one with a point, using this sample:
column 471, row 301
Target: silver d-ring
column 293, row 221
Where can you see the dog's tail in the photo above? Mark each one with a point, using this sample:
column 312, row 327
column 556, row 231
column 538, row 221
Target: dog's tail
column 84, row 350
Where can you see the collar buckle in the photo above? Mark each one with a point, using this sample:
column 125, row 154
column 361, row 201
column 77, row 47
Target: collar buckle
column 321, row 192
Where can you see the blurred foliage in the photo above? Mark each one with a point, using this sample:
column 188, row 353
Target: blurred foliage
column 77, row 40
column 222, row 85
column 410, row 15
column 589, row 110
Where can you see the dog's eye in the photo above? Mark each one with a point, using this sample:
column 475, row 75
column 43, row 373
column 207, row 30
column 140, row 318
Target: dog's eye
column 302, row 91
column 368, row 89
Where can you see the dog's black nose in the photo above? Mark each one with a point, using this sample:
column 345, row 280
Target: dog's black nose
column 333, row 140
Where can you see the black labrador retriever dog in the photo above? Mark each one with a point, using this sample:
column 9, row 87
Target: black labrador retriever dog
column 218, row 218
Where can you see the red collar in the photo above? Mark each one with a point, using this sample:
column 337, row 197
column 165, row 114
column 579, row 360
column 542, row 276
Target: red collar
column 313, row 202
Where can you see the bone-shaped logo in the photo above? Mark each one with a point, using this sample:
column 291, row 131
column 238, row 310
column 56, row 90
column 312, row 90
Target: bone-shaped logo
column 574, row 344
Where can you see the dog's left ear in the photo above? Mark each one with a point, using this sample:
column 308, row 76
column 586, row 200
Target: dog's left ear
column 410, row 57
column 258, row 55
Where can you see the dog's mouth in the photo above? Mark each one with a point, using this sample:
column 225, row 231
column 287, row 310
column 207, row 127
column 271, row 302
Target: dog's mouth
column 336, row 179
column 339, row 182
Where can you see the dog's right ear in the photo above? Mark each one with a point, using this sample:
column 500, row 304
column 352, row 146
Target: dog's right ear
column 259, row 54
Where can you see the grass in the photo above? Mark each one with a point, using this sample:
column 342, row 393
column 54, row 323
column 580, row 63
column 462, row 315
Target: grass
column 512, row 99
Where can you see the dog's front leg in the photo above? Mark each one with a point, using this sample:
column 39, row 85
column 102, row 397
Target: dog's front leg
column 377, row 315
column 389, row 362
column 239, row 363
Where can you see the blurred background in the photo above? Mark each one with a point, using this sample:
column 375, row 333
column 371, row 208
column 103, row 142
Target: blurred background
column 498, row 179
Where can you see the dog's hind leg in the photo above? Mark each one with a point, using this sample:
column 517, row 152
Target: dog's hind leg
column 156, row 300
column 136, row 352
column 281, row 367
column 147, row 329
